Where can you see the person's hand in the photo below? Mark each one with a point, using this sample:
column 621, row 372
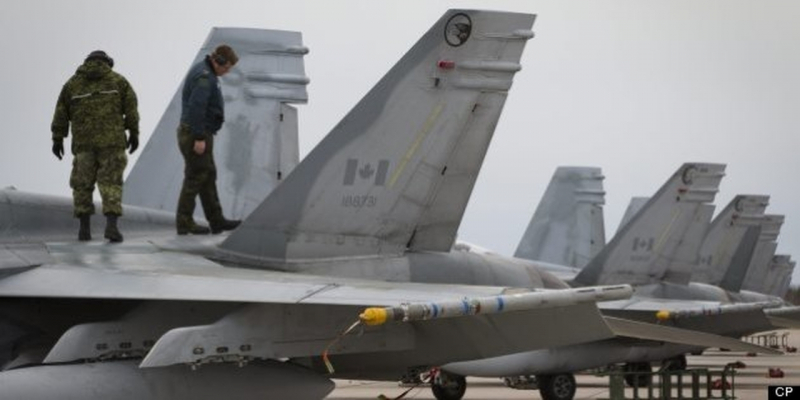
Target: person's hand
column 199, row 147
column 58, row 148
column 133, row 143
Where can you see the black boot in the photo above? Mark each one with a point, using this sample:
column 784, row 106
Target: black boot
column 193, row 229
column 112, row 233
column 224, row 225
column 85, row 231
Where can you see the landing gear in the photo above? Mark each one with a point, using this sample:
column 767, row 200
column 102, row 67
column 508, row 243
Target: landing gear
column 638, row 374
column 674, row 364
column 522, row 382
column 448, row 386
column 557, row 387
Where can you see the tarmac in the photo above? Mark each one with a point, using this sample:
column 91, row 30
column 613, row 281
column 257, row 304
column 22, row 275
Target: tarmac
column 749, row 382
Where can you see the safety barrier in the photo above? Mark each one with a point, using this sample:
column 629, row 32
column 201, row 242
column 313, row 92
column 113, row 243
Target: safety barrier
column 695, row 383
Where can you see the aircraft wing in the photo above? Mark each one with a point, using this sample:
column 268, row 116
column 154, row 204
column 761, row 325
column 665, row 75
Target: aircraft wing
column 19, row 257
column 645, row 331
column 266, row 314
column 732, row 320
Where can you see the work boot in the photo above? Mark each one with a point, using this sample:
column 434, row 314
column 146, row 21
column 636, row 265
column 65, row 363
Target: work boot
column 112, row 233
column 224, row 225
column 85, row 231
column 193, row 229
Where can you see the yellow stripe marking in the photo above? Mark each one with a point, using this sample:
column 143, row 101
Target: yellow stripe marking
column 663, row 236
column 417, row 141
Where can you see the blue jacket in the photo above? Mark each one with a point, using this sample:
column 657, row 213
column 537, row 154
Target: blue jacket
column 202, row 107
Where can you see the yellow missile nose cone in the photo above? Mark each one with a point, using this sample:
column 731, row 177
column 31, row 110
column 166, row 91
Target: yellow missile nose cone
column 662, row 315
column 373, row 316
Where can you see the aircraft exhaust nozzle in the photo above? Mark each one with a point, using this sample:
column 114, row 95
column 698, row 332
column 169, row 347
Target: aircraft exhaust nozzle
column 121, row 380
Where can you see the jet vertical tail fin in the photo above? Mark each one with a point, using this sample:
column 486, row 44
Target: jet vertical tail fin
column 567, row 227
column 649, row 248
column 634, row 207
column 783, row 286
column 257, row 145
column 395, row 174
column 763, row 252
column 733, row 277
column 724, row 248
column 779, row 269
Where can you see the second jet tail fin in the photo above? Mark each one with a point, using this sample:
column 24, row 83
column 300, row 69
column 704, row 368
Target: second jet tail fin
column 257, row 145
column 727, row 248
column 567, row 227
column 661, row 241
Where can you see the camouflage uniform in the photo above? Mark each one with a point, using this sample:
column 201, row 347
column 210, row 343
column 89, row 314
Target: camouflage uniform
column 202, row 115
column 100, row 104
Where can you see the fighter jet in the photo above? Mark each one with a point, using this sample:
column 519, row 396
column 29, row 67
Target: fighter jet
column 678, row 216
column 740, row 239
column 316, row 282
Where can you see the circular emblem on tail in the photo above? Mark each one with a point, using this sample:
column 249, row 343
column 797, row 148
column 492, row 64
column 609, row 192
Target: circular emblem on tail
column 688, row 174
column 457, row 29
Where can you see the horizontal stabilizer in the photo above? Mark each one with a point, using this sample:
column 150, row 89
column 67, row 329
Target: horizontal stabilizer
column 645, row 331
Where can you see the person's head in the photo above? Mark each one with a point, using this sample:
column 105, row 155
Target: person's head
column 223, row 59
column 100, row 55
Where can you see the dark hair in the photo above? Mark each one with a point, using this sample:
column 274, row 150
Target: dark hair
column 224, row 54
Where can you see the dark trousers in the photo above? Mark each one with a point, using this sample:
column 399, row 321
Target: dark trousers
column 199, row 179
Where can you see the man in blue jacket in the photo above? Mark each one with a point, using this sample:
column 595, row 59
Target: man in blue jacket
column 202, row 115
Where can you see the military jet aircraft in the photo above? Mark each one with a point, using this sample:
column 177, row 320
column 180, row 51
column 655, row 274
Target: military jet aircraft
column 265, row 311
column 566, row 226
column 739, row 240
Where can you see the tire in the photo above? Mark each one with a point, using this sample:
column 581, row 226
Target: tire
column 675, row 364
column 557, row 387
column 637, row 374
column 449, row 387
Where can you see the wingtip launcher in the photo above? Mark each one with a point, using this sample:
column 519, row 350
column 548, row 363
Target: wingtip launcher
column 411, row 312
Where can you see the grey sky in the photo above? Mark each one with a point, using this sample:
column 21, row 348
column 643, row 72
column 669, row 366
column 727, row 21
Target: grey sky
column 635, row 87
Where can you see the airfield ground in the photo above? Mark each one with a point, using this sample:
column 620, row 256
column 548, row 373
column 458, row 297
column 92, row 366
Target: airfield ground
column 750, row 382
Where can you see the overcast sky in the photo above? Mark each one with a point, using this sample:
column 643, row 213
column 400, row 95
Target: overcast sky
column 635, row 87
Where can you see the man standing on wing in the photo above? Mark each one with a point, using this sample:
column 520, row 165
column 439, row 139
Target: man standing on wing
column 202, row 115
column 100, row 105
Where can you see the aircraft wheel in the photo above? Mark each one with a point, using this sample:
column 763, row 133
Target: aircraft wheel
column 675, row 364
column 557, row 387
column 637, row 374
column 448, row 386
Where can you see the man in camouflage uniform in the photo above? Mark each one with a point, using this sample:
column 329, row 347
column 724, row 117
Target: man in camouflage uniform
column 202, row 115
column 100, row 104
